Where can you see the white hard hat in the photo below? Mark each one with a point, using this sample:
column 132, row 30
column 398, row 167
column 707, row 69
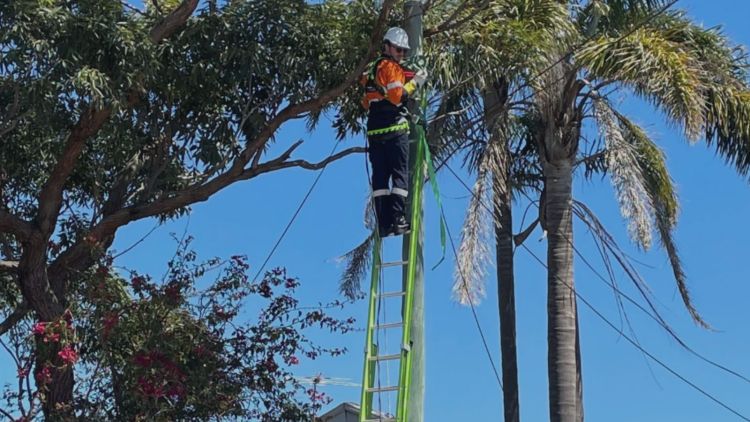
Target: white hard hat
column 397, row 37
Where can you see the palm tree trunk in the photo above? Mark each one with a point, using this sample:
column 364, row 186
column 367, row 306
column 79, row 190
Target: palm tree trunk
column 506, row 293
column 495, row 101
column 562, row 335
column 579, row 374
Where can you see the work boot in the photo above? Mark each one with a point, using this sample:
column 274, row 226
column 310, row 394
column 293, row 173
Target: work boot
column 400, row 226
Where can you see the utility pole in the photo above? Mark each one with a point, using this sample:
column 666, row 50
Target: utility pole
column 413, row 10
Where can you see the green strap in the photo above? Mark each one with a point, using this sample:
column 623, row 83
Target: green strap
column 431, row 174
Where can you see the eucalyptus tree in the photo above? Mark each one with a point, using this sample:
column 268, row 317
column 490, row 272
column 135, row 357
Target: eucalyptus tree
column 694, row 76
column 111, row 114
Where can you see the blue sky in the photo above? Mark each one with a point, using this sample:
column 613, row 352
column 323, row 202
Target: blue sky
column 620, row 383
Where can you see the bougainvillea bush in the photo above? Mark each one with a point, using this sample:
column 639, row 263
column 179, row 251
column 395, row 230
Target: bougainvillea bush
column 204, row 342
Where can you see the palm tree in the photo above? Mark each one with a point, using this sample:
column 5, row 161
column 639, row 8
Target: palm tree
column 484, row 62
column 692, row 75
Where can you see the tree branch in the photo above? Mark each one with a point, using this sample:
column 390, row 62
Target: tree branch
column 17, row 315
column 8, row 266
column 521, row 237
column 293, row 110
column 201, row 193
column 11, row 224
column 173, row 21
column 89, row 124
column 77, row 255
column 280, row 163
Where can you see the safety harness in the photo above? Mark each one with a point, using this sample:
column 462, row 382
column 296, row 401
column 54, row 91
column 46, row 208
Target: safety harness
column 371, row 85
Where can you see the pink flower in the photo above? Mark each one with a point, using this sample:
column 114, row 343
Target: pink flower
column 291, row 283
column 68, row 355
column 142, row 359
column 176, row 391
column 149, row 389
column 138, row 283
column 293, row 360
column 39, row 328
column 22, row 372
column 173, row 293
column 52, row 337
column 44, row 376
column 110, row 321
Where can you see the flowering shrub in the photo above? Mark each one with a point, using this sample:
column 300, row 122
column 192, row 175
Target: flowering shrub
column 185, row 348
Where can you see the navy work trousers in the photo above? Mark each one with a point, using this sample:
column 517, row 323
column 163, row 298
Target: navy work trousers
column 389, row 157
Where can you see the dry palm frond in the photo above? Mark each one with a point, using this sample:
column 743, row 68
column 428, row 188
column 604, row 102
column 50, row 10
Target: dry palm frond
column 664, row 202
column 606, row 241
column 473, row 255
column 662, row 199
column 357, row 263
column 370, row 214
column 625, row 173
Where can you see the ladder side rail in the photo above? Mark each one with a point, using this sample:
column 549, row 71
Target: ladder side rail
column 368, row 376
column 416, row 228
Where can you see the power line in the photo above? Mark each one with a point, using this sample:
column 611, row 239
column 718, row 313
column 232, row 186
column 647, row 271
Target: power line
column 617, row 290
column 445, row 163
column 639, row 347
column 608, row 322
column 471, row 302
column 656, row 317
column 545, row 70
column 312, row 187
column 296, row 213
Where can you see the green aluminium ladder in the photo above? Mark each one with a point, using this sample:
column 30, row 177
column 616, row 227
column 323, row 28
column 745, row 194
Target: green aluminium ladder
column 375, row 360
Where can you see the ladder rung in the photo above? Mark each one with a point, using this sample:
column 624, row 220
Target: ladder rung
column 393, row 264
column 392, row 294
column 386, row 357
column 382, row 389
column 391, row 325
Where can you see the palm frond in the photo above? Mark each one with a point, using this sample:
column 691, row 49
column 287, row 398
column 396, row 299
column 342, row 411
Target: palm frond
column 695, row 75
column 473, row 254
column 357, row 264
column 616, row 16
column 657, row 181
column 607, row 241
column 657, row 69
column 664, row 203
column 622, row 162
column 728, row 125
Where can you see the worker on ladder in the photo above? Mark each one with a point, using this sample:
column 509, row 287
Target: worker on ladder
column 388, row 86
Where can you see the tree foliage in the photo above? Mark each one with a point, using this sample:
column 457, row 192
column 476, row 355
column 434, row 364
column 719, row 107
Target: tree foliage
column 110, row 114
